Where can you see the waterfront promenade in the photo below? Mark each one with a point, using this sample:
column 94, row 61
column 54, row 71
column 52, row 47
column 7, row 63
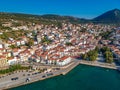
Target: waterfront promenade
column 6, row 82
column 98, row 64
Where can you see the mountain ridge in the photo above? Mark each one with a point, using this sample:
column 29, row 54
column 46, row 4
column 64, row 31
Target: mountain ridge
column 112, row 16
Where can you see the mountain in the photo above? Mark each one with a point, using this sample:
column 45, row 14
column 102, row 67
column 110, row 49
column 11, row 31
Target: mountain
column 112, row 16
column 64, row 18
column 44, row 19
column 4, row 17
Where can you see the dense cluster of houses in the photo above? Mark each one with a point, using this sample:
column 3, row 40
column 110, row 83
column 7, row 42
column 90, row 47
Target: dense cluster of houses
column 116, row 44
column 66, row 42
column 116, row 52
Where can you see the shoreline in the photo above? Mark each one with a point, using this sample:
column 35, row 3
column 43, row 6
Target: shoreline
column 64, row 71
column 102, row 65
column 22, row 84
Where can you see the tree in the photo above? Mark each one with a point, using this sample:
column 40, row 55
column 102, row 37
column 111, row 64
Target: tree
column 46, row 40
column 13, row 68
column 91, row 55
column 59, row 25
column 84, row 56
column 108, row 57
column 104, row 49
column 12, row 46
column 83, row 30
column 105, row 35
column 68, row 44
column 92, row 58
column 30, row 43
column 107, row 54
column 97, row 49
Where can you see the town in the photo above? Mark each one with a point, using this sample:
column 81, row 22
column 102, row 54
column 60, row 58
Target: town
column 59, row 45
column 48, row 44
column 36, row 51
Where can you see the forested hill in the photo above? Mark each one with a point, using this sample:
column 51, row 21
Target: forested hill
column 45, row 19
column 109, row 17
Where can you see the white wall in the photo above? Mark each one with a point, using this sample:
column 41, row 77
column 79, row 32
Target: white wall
column 64, row 62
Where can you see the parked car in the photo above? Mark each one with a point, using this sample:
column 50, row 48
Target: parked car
column 15, row 78
column 28, row 74
column 49, row 74
column 43, row 76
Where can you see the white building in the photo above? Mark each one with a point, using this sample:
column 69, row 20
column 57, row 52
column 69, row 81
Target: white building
column 12, row 61
column 64, row 60
column 1, row 45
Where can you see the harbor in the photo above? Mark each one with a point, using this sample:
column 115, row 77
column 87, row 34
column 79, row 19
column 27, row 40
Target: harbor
column 8, row 83
column 83, row 77
column 36, row 76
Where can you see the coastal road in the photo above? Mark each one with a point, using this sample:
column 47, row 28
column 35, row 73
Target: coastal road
column 6, row 82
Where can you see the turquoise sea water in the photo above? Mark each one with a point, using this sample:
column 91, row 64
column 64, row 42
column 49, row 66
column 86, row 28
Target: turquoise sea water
column 83, row 77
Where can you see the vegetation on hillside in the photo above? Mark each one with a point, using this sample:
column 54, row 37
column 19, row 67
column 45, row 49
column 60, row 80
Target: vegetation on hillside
column 106, row 35
column 46, row 40
column 68, row 44
column 13, row 34
column 18, row 19
column 30, row 43
column 44, row 19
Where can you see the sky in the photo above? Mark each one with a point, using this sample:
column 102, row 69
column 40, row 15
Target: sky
column 77, row 8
